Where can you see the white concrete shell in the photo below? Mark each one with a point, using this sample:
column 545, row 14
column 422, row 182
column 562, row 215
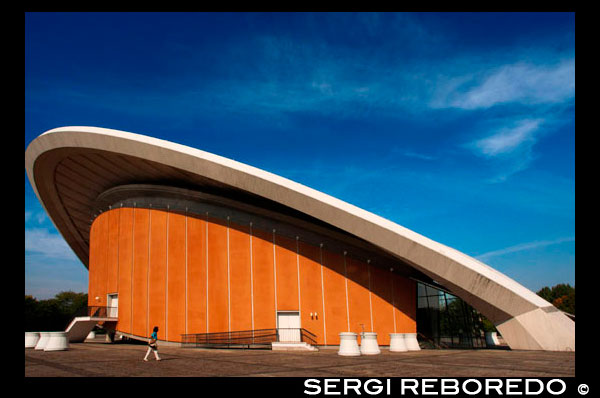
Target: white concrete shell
column 525, row 320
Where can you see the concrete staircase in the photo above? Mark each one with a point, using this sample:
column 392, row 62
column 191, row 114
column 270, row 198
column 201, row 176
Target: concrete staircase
column 292, row 346
column 81, row 326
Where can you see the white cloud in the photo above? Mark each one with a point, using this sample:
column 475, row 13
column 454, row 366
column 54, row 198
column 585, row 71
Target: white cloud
column 512, row 83
column 510, row 149
column 523, row 247
column 40, row 217
column 411, row 154
column 41, row 241
column 509, row 139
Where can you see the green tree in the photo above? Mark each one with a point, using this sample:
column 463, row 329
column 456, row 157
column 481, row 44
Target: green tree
column 70, row 302
column 53, row 314
column 487, row 325
column 562, row 296
column 546, row 294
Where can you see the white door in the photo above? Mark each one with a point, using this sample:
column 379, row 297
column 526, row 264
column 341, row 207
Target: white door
column 112, row 302
column 288, row 324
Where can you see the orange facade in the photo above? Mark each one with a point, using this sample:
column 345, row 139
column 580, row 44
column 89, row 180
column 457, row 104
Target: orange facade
column 197, row 274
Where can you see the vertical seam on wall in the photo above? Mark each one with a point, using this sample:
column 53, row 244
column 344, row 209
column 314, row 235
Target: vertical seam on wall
column 275, row 276
column 298, row 269
column 393, row 302
column 206, row 241
column 118, row 249
column 167, row 283
column 132, row 265
column 370, row 301
column 347, row 305
column 186, row 271
column 323, row 295
column 148, row 272
column 251, row 280
column 228, row 283
column 107, row 258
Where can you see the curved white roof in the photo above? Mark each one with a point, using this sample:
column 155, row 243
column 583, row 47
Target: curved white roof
column 57, row 159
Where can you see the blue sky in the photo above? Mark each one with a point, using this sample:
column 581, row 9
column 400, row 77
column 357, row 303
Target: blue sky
column 459, row 126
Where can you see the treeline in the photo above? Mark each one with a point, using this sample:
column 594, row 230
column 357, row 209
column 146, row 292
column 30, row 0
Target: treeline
column 562, row 296
column 53, row 314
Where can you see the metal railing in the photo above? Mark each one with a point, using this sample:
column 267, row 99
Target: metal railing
column 97, row 312
column 248, row 338
column 102, row 312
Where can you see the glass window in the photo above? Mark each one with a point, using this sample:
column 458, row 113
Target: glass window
column 445, row 321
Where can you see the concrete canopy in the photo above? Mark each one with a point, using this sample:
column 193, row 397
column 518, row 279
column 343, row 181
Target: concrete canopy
column 69, row 167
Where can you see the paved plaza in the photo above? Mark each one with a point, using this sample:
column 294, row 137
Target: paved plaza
column 100, row 359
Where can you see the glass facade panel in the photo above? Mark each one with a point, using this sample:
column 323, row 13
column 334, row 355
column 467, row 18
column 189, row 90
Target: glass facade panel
column 445, row 321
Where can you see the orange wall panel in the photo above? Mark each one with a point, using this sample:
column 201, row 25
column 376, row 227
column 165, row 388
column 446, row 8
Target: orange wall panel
column 157, row 272
column 93, row 264
column 405, row 300
column 381, row 300
column 141, row 224
column 125, row 269
column 310, row 290
column 196, row 247
column 218, row 307
column 113, row 251
column 176, row 273
column 335, row 296
column 262, row 267
column 102, row 252
column 358, row 296
column 239, row 270
column 287, row 274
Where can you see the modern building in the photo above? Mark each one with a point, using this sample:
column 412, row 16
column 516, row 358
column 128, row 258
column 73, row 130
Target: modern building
column 196, row 243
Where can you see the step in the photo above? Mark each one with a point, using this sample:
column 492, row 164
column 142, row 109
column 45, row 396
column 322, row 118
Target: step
column 292, row 346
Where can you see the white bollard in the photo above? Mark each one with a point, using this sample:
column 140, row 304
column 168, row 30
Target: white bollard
column 491, row 339
column 44, row 336
column 58, row 341
column 31, row 339
column 397, row 342
column 348, row 344
column 411, row 342
column 368, row 344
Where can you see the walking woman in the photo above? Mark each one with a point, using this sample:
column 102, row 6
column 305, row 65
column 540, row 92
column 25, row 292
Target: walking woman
column 152, row 345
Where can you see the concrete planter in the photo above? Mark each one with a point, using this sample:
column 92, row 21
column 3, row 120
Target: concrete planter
column 31, row 339
column 411, row 342
column 368, row 344
column 44, row 336
column 397, row 342
column 58, row 341
column 491, row 339
column 348, row 344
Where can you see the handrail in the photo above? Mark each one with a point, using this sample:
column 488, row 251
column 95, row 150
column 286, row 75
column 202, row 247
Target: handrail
column 95, row 311
column 309, row 332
